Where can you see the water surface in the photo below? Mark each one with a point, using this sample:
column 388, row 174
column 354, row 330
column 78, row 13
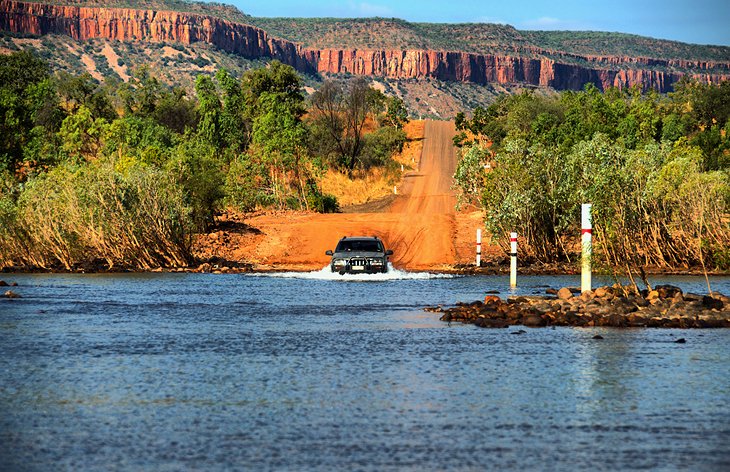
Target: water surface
column 311, row 372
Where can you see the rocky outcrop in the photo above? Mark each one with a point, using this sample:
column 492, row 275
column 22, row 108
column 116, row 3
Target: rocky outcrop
column 533, row 66
column 82, row 23
column 664, row 307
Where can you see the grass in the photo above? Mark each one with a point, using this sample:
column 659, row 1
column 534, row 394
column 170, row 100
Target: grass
column 376, row 183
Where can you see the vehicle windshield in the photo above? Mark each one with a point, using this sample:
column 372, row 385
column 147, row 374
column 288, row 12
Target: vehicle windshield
column 359, row 246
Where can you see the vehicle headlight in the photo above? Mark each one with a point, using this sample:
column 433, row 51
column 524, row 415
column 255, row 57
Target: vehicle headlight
column 339, row 262
column 377, row 262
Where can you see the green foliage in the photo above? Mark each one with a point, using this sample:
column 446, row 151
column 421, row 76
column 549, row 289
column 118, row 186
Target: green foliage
column 647, row 163
column 83, row 184
column 209, row 109
column 380, row 146
column 471, row 174
column 338, row 118
column 80, row 214
column 26, row 101
column 195, row 166
column 81, row 136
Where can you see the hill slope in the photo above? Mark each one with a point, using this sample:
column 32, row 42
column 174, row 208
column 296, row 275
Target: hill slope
column 388, row 49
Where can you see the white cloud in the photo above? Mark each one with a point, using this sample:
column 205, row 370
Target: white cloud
column 550, row 23
column 490, row 19
column 370, row 9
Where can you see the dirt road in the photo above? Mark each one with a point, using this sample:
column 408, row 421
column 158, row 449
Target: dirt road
column 421, row 224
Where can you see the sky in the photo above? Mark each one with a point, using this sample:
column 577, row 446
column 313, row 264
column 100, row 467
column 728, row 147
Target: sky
column 690, row 21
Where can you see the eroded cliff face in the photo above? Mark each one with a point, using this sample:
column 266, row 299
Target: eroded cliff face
column 553, row 69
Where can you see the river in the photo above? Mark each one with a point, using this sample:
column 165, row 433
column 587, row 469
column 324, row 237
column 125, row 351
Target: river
column 313, row 372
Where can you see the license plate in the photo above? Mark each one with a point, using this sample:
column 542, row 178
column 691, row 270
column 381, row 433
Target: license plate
column 358, row 267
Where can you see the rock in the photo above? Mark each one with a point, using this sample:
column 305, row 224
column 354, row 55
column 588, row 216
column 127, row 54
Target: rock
column 636, row 321
column 533, row 321
column 597, row 336
column 3, row 283
column 537, row 69
column 491, row 323
column 641, row 302
column 11, row 294
column 492, row 292
column 667, row 291
column 600, row 292
column 712, row 303
column 551, row 291
column 680, row 341
column 565, row 293
column 653, row 295
column 587, row 296
column 14, row 284
column 492, row 299
column 521, row 331
column 614, row 320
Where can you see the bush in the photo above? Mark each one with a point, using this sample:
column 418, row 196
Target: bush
column 76, row 215
column 380, row 146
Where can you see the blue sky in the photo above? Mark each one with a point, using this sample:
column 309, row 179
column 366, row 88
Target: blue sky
column 692, row 21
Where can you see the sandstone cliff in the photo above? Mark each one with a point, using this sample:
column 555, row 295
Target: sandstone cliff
column 535, row 67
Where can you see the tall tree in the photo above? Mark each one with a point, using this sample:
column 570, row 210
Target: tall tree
column 342, row 108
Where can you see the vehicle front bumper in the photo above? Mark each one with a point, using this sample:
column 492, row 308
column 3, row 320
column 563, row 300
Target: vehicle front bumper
column 359, row 266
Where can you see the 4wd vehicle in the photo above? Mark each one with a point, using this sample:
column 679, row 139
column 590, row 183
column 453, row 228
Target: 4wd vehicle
column 356, row 255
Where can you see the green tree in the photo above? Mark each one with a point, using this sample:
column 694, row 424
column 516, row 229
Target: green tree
column 209, row 109
column 341, row 109
column 27, row 100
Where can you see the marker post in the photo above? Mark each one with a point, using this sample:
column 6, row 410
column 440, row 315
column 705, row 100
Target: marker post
column 586, row 239
column 479, row 248
column 513, row 260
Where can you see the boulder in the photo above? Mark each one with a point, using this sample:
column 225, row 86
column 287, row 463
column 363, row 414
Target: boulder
column 11, row 294
column 491, row 323
column 3, row 283
column 533, row 321
column 712, row 303
column 635, row 321
column 565, row 293
column 613, row 320
column 667, row 291
column 492, row 299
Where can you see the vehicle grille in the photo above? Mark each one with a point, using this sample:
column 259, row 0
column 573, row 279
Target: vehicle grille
column 358, row 262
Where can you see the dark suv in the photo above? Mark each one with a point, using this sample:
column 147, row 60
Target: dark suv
column 357, row 255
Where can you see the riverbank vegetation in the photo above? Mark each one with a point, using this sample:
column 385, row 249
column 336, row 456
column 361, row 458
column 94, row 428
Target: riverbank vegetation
column 125, row 174
column 656, row 168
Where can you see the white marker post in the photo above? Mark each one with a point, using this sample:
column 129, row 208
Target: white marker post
column 513, row 260
column 586, row 237
column 479, row 248
column 395, row 189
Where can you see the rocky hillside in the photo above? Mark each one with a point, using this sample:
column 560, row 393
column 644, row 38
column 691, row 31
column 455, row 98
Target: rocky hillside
column 393, row 49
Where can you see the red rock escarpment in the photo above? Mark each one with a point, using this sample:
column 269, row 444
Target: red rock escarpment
column 558, row 70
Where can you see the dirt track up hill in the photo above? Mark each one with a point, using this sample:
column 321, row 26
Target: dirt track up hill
column 421, row 225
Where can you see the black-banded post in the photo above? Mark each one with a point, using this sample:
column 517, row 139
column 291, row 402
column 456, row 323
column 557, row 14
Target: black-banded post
column 513, row 260
column 479, row 248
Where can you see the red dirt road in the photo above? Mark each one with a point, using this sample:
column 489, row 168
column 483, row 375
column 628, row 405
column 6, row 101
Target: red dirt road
column 421, row 225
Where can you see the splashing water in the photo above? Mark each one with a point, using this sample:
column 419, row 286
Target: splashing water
column 327, row 274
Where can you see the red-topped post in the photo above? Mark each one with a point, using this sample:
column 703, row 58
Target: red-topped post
column 513, row 260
